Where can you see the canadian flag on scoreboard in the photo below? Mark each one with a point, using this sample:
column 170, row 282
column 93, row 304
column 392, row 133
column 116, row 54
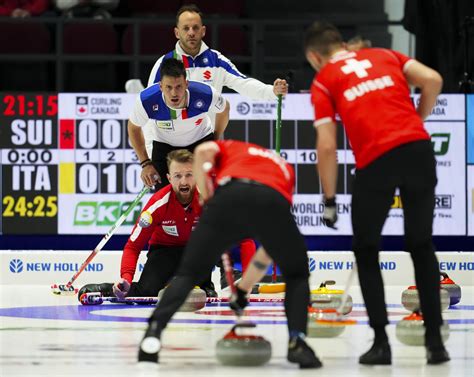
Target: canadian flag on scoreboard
column 66, row 134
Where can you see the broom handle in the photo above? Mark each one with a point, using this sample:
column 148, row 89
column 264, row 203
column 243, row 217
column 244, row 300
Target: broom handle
column 277, row 149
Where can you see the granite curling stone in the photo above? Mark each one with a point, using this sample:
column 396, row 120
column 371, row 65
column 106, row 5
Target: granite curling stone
column 243, row 350
column 411, row 330
column 318, row 329
column 196, row 300
column 411, row 300
column 325, row 298
column 453, row 289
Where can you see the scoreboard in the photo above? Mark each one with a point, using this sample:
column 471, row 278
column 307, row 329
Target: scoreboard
column 29, row 158
column 67, row 166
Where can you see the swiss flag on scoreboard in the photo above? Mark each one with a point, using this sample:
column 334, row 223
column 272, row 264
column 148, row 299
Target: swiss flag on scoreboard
column 66, row 134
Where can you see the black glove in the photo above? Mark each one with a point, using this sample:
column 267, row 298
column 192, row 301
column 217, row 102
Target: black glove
column 238, row 301
column 330, row 212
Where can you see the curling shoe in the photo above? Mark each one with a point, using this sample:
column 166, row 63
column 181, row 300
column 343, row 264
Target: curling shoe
column 150, row 345
column 300, row 353
column 106, row 289
column 209, row 289
column 437, row 355
column 378, row 354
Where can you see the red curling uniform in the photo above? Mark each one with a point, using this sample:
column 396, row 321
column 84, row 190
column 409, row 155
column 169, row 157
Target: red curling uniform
column 164, row 222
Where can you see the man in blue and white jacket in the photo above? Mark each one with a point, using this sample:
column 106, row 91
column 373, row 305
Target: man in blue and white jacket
column 178, row 111
column 206, row 65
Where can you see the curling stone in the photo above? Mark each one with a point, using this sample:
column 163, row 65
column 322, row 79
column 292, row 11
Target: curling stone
column 453, row 289
column 411, row 330
column 324, row 298
column 411, row 300
column 196, row 300
column 317, row 329
column 243, row 350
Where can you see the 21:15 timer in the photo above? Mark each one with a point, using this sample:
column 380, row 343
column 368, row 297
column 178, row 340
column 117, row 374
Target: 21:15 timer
column 30, row 105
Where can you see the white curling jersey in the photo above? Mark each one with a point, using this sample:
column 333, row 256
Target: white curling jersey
column 178, row 127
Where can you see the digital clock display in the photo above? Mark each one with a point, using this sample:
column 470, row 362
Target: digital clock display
column 14, row 105
column 29, row 157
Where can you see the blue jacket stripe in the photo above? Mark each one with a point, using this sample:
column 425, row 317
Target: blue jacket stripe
column 151, row 97
column 200, row 98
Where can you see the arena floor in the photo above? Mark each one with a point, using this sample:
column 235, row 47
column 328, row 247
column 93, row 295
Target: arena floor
column 46, row 335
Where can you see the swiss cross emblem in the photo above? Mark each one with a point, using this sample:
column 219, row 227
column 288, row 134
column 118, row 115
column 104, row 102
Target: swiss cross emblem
column 359, row 67
column 207, row 74
column 199, row 121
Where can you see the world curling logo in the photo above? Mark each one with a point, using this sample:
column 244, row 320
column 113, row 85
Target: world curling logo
column 243, row 108
column 16, row 266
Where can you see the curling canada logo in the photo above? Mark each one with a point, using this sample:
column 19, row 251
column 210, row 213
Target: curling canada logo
column 16, row 266
column 82, row 106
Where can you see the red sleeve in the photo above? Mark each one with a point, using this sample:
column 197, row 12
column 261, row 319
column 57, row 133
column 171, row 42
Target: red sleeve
column 134, row 246
column 324, row 110
column 129, row 263
column 36, row 7
column 402, row 60
column 139, row 238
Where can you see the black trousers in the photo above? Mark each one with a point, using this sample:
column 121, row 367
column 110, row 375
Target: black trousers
column 161, row 150
column 412, row 168
column 161, row 265
column 237, row 211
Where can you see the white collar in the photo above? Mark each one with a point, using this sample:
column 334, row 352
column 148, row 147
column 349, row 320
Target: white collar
column 180, row 50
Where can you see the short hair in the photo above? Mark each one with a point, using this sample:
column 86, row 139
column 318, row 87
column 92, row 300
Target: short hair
column 182, row 156
column 193, row 8
column 172, row 67
column 322, row 37
column 359, row 40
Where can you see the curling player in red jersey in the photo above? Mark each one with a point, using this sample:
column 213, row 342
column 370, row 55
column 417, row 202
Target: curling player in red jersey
column 165, row 224
column 249, row 197
column 369, row 89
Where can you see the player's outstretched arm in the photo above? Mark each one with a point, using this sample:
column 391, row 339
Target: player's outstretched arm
column 204, row 161
column 428, row 81
column 326, row 146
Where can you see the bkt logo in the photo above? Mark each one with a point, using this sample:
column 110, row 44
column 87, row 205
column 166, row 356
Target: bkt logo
column 440, row 143
column 104, row 213
column 16, row 266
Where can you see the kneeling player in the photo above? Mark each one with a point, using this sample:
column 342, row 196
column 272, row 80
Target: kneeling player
column 165, row 224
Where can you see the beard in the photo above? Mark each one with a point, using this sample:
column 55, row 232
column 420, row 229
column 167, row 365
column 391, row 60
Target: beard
column 185, row 194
